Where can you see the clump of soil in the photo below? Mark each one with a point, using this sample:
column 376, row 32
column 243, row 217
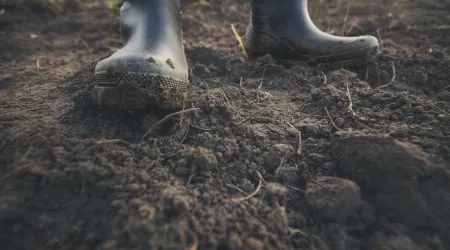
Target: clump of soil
column 331, row 198
column 276, row 155
column 399, row 178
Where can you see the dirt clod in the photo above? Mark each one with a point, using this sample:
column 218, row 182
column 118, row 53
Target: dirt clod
column 332, row 198
column 198, row 161
column 170, row 63
column 407, row 185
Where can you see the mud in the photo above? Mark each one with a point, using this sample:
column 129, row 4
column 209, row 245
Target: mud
column 270, row 155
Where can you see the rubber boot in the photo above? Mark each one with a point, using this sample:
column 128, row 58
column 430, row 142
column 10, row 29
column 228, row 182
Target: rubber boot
column 151, row 69
column 284, row 29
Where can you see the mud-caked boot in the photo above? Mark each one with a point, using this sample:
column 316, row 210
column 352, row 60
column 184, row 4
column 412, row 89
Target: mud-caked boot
column 151, row 69
column 284, row 29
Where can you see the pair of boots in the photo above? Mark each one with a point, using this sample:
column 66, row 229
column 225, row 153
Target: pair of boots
column 151, row 69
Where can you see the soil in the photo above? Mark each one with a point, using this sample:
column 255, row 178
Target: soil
column 275, row 155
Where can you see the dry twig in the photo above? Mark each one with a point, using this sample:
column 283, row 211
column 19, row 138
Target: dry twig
column 350, row 102
column 108, row 141
column 392, row 79
column 296, row 189
column 165, row 119
column 226, row 98
column 299, row 135
column 252, row 194
column 186, row 133
column 346, row 17
column 325, row 80
column 379, row 39
column 331, row 119
column 240, row 84
column 367, row 74
column 277, row 170
column 444, row 88
column 236, row 188
column 258, row 91
column 260, row 95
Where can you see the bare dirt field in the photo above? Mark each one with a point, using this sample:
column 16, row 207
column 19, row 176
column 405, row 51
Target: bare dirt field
column 271, row 155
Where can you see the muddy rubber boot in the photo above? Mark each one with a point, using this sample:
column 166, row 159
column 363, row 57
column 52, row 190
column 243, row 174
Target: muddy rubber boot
column 151, row 69
column 284, row 29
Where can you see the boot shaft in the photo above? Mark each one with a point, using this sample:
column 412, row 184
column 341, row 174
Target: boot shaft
column 283, row 17
column 281, row 14
column 267, row 8
column 151, row 69
column 147, row 17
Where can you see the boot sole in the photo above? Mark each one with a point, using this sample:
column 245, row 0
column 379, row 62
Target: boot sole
column 350, row 59
column 347, row 59
column 131, row 91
